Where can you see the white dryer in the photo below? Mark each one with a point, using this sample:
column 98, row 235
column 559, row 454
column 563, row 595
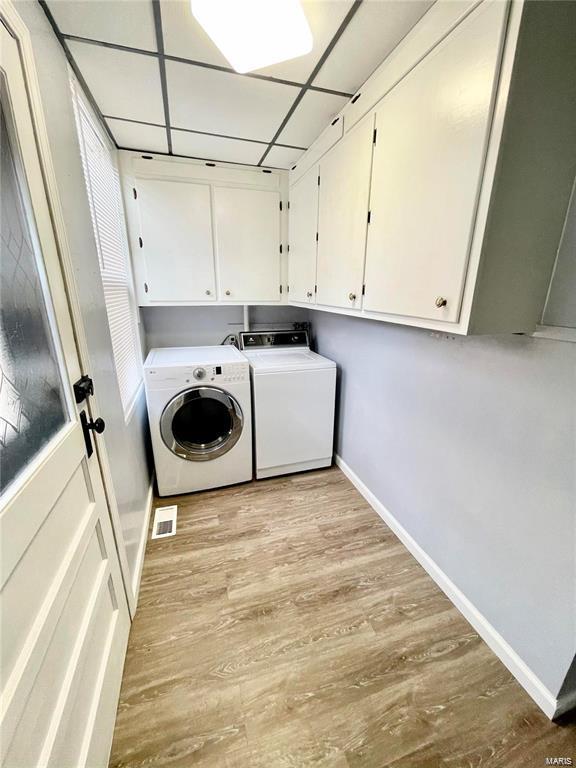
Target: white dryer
column 199, row 407
column 293, row 401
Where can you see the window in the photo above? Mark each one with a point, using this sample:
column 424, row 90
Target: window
column 104, row 194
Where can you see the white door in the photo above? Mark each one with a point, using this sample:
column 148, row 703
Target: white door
column 247, row 244
column 176, row 240
column 303, row 228
column 343, row 218
column 432, row 132
column 64, row 616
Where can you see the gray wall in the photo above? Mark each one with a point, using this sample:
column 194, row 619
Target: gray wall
column 189, row 326
column 470, row 444
column 125, row 443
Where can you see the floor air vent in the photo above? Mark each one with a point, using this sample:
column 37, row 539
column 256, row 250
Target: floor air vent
column 164, row 522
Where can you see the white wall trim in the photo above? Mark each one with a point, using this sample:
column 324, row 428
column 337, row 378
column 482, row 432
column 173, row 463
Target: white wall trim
column 555, row 332
column 139, row 564
column 543, row 697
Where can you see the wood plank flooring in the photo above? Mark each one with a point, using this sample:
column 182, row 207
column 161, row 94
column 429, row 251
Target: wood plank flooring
column 285, row 626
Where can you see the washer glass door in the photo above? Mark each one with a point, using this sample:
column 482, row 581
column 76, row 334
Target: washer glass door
column 201, row 423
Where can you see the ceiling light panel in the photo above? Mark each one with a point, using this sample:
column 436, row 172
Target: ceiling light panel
column 310, row 118
column 211, row 101
column 123, row 84
column 216, row 148
column 130, row 22
column 374, row 31
column 148, row 138
column 255, row 33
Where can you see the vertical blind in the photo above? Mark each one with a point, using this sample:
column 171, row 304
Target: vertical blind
column 104, row 194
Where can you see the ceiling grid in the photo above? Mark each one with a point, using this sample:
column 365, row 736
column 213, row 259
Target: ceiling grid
column 192, row 103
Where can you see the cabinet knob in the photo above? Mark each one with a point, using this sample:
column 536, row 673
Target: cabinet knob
column 309, row 294
column 227, row 293
column 352, row 296
column 208, row 293
column 441, row 302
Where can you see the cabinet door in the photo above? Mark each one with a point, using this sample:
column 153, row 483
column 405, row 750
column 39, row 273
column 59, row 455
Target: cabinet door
column 247, row 244
column 303, row 226
column 342, row 218
column 176, row 226
column 432, row 132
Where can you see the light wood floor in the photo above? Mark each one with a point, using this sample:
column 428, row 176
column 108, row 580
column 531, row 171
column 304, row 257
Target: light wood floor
column 285, row 626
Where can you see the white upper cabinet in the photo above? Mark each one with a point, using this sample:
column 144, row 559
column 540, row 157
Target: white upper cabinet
column 303, row 227
column 432, row 133
column 342, row 218
column 175, row 244
column 202, row 232
column 247, row 225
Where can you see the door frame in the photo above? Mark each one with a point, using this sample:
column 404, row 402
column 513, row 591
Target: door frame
column 13, row 21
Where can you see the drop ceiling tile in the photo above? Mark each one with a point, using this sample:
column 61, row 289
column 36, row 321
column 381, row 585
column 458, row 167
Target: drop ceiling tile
column 123, row 84
column 128, row 135
column 282, row 157
column 219, row 102
column 216, row 148
column 324, row 19
column 184, row 37
column 310, row 118
column 130, row 22
column 374, row 31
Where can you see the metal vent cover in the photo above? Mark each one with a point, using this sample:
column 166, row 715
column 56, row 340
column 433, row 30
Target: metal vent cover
column 164, row 522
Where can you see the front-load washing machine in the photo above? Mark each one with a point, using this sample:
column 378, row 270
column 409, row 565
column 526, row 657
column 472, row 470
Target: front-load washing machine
column 199, row 407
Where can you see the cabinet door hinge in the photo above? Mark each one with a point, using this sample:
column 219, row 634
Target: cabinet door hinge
column 134, row 193
column 140, row 242
column 374, row 136
column 369, row 216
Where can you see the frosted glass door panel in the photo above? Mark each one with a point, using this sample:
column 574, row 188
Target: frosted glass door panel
column 32, row 403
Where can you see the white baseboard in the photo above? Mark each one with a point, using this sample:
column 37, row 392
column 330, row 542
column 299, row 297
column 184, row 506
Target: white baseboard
column 142, row 543
column 545, row 699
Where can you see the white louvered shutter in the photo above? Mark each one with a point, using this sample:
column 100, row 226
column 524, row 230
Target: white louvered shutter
column 104, row 194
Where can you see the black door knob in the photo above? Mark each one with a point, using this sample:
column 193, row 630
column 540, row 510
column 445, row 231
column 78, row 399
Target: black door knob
column 98, row 425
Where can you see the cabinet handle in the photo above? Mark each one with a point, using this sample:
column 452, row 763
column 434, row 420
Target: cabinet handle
column 441, row 302
column 208, row 293
column 227, row 293
column 352, row 296
column 309, row 294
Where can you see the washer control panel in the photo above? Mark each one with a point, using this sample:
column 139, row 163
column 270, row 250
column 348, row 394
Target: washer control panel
column 228, row 373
